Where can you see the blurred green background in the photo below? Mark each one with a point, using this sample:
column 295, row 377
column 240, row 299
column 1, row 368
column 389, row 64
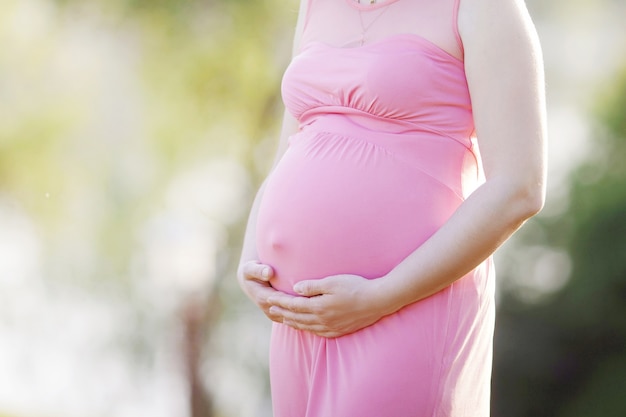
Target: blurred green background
column 133, row 135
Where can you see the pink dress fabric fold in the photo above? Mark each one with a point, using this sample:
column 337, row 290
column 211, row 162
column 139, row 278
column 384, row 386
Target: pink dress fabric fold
column 384, row 155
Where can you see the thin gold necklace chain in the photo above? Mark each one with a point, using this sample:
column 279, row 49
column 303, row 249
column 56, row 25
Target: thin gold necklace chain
column 364, row 28
column 369, row 1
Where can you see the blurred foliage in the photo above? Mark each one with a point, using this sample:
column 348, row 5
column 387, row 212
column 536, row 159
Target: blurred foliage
column 209, row 90
column 566, row 357
column 106, row 106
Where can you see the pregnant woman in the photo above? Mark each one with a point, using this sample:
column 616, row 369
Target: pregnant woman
column 369, row 245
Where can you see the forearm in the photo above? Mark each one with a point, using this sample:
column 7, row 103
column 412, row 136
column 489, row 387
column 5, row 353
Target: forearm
column 504, row 71
column 479, row 226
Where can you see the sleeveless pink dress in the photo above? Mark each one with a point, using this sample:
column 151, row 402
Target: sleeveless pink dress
column 383, row 156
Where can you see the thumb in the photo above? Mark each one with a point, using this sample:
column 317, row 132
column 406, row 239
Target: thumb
column 311, row 288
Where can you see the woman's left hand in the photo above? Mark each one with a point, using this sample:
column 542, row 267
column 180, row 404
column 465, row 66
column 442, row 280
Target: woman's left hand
column 333, row 306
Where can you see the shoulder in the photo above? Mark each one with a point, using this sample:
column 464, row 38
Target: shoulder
column 498, row 32
column 490, row 21
column 504, row 70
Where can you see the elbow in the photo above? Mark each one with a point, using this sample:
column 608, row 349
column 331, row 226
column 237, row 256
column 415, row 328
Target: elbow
column 519, row 198
column 535, row 203
column 529, row 200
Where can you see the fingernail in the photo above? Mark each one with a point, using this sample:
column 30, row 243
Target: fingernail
column 265, row 273
column 298, row 288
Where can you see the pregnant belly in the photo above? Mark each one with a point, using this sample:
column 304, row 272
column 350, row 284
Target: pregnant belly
column 340, row 205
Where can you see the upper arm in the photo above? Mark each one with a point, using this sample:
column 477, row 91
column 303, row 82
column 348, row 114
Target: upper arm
column 300, row 25
column 290, row 124
column 504, row 70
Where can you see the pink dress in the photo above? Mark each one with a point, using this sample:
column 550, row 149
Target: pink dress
column 383, row 156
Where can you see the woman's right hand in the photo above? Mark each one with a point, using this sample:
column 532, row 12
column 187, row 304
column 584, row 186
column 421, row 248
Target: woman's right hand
column 254, row 279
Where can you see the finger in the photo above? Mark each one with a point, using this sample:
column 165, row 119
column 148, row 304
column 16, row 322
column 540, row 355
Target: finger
column 259, row 292
column 295, row 319
column 262, row 291
column 274, row 317
column 293, row 304
column 311, row 288
column 257, row 271
column 317, row 329
column 263, row 295
column 280, row 314
column 306, row 322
